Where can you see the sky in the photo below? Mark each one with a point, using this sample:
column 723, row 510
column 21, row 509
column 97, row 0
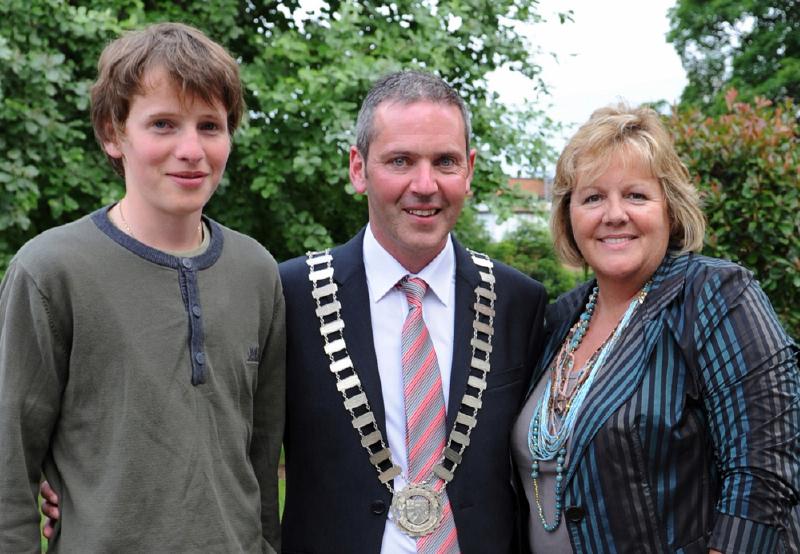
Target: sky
column 612, row 50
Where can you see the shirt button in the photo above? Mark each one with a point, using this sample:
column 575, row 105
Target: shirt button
column 187, row 263
column 574, row 513
column 196, row 310
column 200, row 358
column 378, row 507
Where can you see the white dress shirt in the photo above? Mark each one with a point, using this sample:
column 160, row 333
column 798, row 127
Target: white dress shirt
column 388, row 309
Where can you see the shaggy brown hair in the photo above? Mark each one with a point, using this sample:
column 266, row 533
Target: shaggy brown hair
column 198, row 66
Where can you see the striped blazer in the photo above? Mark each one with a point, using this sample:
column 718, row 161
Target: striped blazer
column 690, row 438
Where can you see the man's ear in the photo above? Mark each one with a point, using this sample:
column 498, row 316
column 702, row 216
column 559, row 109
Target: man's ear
column 358, row 170
column 471, row 166
column 111, row 142
column 112, row 149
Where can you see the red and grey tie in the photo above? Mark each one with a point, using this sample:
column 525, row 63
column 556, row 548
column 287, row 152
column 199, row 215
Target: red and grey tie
column 425, row 413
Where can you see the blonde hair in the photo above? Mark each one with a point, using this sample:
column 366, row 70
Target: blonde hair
column 630, row 132
column 197, row 65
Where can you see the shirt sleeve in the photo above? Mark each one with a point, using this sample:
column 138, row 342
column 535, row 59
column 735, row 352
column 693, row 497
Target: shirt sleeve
column 32, row 364
column 269, row 415
column 751, row 392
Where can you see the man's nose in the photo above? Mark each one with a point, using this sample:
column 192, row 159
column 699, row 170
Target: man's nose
column 424, row 180
column 190, row 146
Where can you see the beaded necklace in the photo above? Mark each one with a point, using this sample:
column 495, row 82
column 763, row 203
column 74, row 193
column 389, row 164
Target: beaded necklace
column 556, row 412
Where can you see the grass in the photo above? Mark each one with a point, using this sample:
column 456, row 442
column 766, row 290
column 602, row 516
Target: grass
column 281, row 495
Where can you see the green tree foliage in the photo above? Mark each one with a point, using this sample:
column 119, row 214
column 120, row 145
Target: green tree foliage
column 50, row 168
column 751, row 45
column 529, row 248
column 287, row 181
column 746, row 163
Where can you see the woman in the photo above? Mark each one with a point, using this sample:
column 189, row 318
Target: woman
column 665, row 413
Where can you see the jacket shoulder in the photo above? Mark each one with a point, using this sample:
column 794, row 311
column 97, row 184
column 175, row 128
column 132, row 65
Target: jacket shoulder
column 708, row 281
column 701, row 268
column 293, row 268
column 294, row 272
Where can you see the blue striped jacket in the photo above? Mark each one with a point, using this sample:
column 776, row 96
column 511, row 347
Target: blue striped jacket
column 690, row 438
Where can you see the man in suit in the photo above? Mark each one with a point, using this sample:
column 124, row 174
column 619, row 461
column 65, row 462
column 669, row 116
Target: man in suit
column 351, row 449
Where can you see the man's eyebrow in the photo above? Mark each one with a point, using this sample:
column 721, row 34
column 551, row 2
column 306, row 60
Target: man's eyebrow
column 161, row 113
column 390, row 154
column 454, row 153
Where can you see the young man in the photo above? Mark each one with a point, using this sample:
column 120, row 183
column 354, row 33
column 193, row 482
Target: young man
column 142, row 346
column 382, row 375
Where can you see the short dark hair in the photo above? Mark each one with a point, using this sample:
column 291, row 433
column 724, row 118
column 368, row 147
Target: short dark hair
column 199, row 67
column 405, row 87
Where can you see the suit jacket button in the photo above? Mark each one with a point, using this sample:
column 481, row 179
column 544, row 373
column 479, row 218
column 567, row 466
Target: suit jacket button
column 378, row 507
column 574, row 513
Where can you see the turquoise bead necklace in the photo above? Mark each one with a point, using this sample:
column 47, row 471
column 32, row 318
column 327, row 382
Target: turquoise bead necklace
column 557, row 409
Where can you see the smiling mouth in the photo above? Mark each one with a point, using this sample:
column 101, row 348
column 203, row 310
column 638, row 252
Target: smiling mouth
column 423, row 213
column 192, row 175
column 616, row 240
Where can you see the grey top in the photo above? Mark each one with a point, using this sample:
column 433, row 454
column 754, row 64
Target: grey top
column 148, row 387
column 541, row 541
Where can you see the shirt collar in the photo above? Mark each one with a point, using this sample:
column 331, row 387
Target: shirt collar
column 384, row 271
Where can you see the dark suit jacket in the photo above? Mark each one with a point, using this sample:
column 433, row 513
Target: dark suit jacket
column 690, row 437
column 334, row 501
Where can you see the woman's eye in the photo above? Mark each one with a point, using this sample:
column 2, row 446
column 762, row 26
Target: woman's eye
column 591, row 199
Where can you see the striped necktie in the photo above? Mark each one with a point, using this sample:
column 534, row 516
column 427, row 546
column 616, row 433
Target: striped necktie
column 425, row 414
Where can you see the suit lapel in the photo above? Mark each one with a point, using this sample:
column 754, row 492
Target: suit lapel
column 467, row 278
column 627, row 365
column 351, row 277
column 617, row 382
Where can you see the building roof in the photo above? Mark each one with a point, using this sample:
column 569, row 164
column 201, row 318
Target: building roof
column 533, row 186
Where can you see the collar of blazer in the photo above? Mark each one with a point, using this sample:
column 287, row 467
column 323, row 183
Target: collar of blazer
column 627, row 364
